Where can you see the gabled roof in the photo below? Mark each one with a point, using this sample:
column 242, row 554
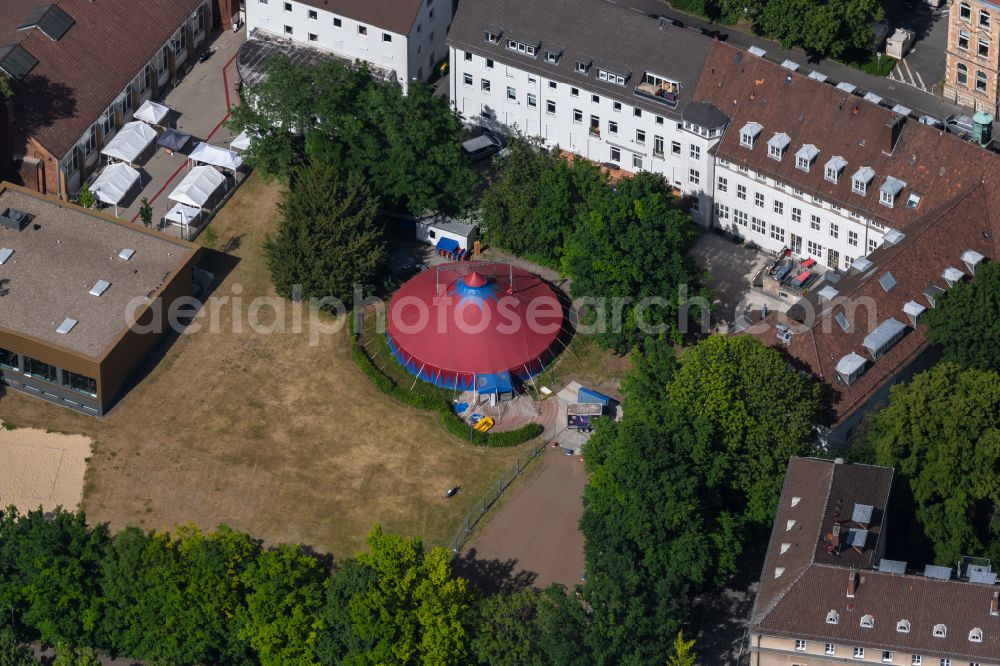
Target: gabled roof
column 100, row 48
column 939, row 166
column 916, row 264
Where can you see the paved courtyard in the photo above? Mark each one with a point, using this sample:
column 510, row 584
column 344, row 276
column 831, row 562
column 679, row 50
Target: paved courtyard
column 201, row 101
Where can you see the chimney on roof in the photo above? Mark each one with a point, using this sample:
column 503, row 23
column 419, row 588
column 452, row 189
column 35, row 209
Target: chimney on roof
column 890, row 134
column 995, row 604
column 852, row 584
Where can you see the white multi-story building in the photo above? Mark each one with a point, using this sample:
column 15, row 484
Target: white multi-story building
column 404, row 37
column 620, row 96
column 787, row 161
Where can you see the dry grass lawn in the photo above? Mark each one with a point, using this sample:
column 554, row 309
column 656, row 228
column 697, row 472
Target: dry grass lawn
column 268, row 434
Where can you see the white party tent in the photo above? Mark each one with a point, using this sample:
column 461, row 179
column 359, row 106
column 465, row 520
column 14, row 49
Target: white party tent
column 198, row 187
column 114, row 183
column 130, row 142
column 183, row 216
column 241, row 142
column 152, row 112
column 206, row 153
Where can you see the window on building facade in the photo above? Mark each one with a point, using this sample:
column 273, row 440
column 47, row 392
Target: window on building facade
column 814, row 222
column 484, row 85
column 362, row 30
column 550, row 107
column 467, row 79
column 386, row 37
column 552, row 85
column 962, row 75
column 965, row 11
column 740, row 217
column 779, row 207
column 617, row 106
column 658, row 145
column 984, row 18
column 616, row 154
column 675, row 147
column 288, row 6
column 694, row 176
column 640, row 137
column 834, row 230
column 595, row 99
column 9, row 359
column 289, row 30
column 612, row 127
column 758, row 199
column 800, row 645
column 489, row 64
column 852, row 238
column 312, row 37
column 511, row 94
column 338, row 23
column 778, row 233
column 741, row 192
column 983, row 48
column 532, row 100
column 695, row 152
column 313, row 15
column 721, row 211
column 577, row 116
column 723, row 185
column 829, row 649
column 796, row 214
column 637, row 162
column 574, row 92
column 79, row 383
column 963, row 40
column 40, row 370
column 757, row 225
column 886, row 657
column 637, row 113
column 814, row 248
column 980, row 81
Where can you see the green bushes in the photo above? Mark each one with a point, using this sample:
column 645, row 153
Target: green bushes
column 451, row 421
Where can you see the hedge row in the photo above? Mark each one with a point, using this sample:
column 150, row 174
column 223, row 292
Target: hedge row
column 449, row 419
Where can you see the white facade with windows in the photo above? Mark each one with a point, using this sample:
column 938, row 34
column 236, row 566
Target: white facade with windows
column 809, row 226
column 604, row 128
column 412, row 54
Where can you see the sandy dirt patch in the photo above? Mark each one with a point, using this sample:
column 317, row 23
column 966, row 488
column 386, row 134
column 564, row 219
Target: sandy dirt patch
column 39, row 468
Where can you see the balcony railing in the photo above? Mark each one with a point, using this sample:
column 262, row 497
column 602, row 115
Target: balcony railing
column 650, row 91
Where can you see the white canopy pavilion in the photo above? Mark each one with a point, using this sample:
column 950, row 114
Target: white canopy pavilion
column 198, row 187
column 130, row 142
column 114, row 183
column 183, row 216
column 206, row 153
column 241, row 142
column 152, row 112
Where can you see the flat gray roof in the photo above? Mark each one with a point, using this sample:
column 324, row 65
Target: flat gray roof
column 59, row 257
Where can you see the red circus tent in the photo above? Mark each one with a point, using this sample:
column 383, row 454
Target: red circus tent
column 457, row 322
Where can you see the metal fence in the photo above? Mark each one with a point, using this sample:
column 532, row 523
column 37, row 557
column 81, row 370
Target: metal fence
column 491, row 496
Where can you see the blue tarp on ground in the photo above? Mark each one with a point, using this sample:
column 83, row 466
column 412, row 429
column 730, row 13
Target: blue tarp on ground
column 497, row 382
column 446, row 244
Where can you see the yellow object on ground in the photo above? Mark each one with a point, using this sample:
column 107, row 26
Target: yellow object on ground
column 483, row 424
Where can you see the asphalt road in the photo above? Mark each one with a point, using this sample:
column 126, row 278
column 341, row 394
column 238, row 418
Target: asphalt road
column 891, row 90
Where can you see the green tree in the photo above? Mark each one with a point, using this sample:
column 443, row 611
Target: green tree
column 506, row 630
column 49, row 568
column 406, row 147
column 6, row 89
column 85, row 198
column 964, row 323
column 531, row 207
column 941, row 432
column 414, row 610
column 330, row 238
column 146, row 212
column 761, row 413
column 828, row 28
column 281, row 620
column 629, row 249
column 683, row 652
column 12, row 653
column 67, row 656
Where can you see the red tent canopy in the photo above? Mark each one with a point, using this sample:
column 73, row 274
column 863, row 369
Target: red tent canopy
column 455, row 321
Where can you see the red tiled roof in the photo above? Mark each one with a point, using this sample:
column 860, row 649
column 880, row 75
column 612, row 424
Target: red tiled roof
column 80, row 75
column 930, row 246
column 932, row 163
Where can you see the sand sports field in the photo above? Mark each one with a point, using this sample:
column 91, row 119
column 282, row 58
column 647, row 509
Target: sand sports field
column 39, row 468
